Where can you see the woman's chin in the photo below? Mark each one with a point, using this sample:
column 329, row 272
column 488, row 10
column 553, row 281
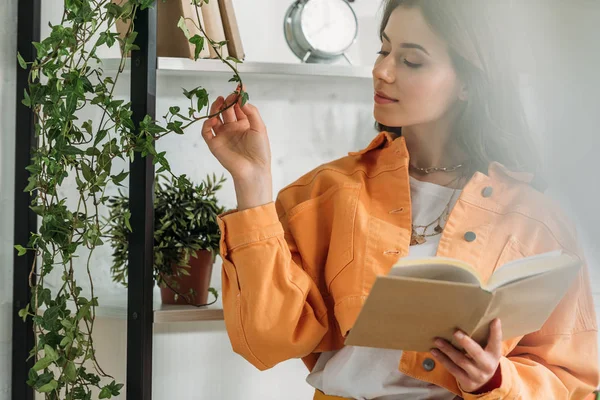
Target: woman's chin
column 384, row 118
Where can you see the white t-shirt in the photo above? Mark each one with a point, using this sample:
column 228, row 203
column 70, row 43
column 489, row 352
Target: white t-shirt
column 370, row 373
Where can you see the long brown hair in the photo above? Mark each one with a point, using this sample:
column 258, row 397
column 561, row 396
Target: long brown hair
column 492, row 125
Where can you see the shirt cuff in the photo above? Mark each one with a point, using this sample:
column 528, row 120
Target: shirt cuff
column 499, row 392
column 239, row 228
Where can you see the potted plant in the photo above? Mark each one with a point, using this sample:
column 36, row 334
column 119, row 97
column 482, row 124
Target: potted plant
column 186, row 238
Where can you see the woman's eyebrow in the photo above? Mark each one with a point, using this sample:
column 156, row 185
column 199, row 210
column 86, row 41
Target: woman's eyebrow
column 406, row 45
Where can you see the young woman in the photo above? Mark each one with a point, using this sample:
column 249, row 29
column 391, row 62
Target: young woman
column 452, row 173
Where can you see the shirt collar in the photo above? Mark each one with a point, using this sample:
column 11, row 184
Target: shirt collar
column 385, row 139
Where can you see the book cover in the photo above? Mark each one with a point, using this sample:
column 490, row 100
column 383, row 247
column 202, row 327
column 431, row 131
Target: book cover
column 213, row 26
column 232, row 31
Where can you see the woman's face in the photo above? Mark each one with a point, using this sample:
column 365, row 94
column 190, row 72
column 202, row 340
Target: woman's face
column 414, row 72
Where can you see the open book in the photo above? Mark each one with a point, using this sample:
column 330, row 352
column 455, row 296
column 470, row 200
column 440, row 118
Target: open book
column 421, row 299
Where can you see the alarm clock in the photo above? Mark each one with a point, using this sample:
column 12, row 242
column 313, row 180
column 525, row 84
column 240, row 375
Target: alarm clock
column 320, row 31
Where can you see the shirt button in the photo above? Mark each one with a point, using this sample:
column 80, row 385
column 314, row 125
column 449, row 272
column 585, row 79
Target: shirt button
column 487, row 191
column 428, row 364
column 470, row 236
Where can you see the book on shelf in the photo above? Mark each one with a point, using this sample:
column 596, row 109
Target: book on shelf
column 191, row 13
column 217, row 17
column 213, row 25
column 232, row 31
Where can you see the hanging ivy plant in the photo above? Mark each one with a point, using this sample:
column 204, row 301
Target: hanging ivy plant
column 65, row 78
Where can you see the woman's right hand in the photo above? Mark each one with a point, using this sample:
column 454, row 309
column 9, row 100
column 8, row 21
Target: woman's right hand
column 238, row 139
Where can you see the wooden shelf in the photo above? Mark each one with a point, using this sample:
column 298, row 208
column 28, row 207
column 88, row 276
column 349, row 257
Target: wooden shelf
column 116, row 308
column 184, row 66
column 176, row 313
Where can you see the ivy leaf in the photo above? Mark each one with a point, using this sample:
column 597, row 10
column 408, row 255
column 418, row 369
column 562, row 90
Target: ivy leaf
column 87, row 125
column 117, row 179
column 42, row 379
column 129, row 43
column 42, row 363
column 198, row 41
column 105, row 393
column 72, row 150
column 66, row 323
column 27, row 100
column 48, row 387
column 245, row 98
column 71, row 102
column 101, row 135
column 235, row 60
column 24, row 312
column 127, row 216
column 84, row 312
column 22, row 250
column 181, row 25
column 202, row 98
column 33, row 377
column 50, row 353
column 175, row 126
column 70, row 371
column 67, row 340
column 22, row 62
column 87, row 172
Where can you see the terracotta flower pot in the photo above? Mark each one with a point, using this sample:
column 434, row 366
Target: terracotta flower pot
column 199, row 280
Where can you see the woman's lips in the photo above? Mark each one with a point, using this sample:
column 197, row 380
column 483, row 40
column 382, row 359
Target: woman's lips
column 381, row 99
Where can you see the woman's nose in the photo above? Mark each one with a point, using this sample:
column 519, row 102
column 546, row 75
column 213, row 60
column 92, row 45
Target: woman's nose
column 385, row 70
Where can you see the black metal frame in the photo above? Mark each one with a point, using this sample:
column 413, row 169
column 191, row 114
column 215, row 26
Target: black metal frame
column 141, row 241
column 28, row 31
column 141, row 201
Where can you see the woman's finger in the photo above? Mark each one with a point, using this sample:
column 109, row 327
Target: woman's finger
column 472, row 348
column 207, row 129
column 459, row 373
column 494, row 345
column 214, row 108
column 457, row 357
column 239, row 114
column 256, row 122
column 229, row 114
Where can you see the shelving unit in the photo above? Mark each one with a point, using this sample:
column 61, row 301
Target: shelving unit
column 140, row 311
column 187, row 66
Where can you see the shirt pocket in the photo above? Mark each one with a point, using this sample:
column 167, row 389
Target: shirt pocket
column 512, row 250
column 323, row 228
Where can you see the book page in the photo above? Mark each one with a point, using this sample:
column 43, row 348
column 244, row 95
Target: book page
column 436, row 268
column 528, row 267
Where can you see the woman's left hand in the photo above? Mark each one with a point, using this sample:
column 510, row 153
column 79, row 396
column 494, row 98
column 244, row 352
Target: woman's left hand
column 478, row 366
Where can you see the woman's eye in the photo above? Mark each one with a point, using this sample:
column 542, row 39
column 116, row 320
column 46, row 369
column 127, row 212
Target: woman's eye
column 383, row 53
column 412, row 65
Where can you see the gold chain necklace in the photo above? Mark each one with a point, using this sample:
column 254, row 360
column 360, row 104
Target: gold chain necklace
column 417, row 238
column 436, row 169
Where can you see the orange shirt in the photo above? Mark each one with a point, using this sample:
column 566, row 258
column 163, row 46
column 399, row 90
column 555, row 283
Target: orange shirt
column 297, row 272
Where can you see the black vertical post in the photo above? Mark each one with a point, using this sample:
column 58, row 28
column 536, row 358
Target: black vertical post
column 25, row 222
column 141, row 194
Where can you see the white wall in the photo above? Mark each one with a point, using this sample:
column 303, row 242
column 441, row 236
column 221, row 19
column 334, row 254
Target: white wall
column 309, row 122
column 8, row 48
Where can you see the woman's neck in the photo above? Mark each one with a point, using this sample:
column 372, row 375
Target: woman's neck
column 433, row 145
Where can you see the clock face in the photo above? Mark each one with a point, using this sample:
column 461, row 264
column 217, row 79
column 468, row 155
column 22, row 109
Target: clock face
column 329, row 25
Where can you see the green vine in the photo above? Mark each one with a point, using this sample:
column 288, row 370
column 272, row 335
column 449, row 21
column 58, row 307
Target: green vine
column 65, row 78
